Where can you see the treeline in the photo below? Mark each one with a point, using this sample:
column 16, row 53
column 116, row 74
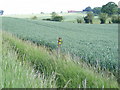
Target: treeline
column 102, row 17
column 110, row 10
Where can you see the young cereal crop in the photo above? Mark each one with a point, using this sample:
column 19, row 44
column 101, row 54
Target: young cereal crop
column 93, row 43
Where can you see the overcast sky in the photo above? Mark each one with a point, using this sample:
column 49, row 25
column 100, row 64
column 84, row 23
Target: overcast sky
column 37, row 6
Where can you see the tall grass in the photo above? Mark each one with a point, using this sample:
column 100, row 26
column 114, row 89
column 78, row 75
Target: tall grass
column 0, row 59
column 68, row 73
column 18, row 74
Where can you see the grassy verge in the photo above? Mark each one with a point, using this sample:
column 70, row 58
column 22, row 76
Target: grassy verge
column 68, row 73
column 17, row 74
column 0, row 59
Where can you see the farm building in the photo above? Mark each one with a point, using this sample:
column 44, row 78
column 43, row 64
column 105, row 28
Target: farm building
column 73, row 11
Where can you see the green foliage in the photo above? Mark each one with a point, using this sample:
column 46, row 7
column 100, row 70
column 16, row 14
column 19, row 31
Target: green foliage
column 1, row 12
column 1, row 81
column 80, row 20
column 47, row 19
column 41, row 12
column 110, row 8
column 56, row 17
column 86, row 19
column 88, row 9
column 89, row 42
column 96, row 10
column 18, row 73
column 34, row 17
column 54, row 14
column 89, row 18
column 68, row 73
column 103, row 17
column 118, row 10
column 115, row 19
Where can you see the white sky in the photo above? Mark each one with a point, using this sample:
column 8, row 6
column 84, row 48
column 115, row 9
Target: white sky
column 37, row 6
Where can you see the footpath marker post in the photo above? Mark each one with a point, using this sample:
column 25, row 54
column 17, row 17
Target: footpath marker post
column 59, row 46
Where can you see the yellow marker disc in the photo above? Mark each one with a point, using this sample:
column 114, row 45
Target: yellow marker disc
column 59, row 43
column 60, row 40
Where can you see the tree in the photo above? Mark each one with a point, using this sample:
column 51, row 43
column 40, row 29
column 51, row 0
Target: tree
column 119, row 7
column 56, row 17
column 86, row 19
column 118, row 10
column 110, row 8
column 34, row 17
column 80, row 20
column 41, row 12
column 1, row 12
column 97, row 10
column 88, row 9
column 103, row 17
column 54, row 14
column 89, row 18
column 116, row 19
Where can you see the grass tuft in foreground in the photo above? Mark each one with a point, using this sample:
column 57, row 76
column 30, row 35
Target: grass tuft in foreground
column 20, row 74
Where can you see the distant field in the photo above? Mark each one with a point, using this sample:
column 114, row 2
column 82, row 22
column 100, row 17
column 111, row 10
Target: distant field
column 68, row 17
column 91, row 42
column 71, row 17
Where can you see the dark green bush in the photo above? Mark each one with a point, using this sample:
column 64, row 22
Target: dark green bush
column 80, row 20
column 47, row 19
column 57, row 18
column 86, row 19
column 116, row 19
column 89, row 18
column 34, row 17
column 103, row 17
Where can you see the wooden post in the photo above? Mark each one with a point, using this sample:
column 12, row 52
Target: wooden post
column 59, row 46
